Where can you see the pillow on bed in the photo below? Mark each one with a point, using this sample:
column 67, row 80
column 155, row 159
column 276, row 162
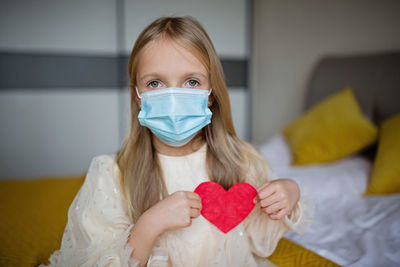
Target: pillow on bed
column 332, row 129
column 385, row 177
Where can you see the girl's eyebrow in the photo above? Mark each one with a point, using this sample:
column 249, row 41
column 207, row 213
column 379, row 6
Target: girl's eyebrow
column 154, row 74
column 196, row 73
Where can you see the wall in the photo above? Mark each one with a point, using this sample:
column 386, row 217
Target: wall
column 290, row 36
column 63, row 99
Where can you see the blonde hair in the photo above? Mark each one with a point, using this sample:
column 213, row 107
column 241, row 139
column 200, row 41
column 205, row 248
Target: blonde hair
column 228, row 158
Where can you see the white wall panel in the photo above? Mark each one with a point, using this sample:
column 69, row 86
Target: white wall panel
column 239, row 98
column 224, row 21
column 71, row 26
column 55, row 133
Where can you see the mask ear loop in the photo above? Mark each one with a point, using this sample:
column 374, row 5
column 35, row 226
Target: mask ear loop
column 137, row 92
column 209, row 93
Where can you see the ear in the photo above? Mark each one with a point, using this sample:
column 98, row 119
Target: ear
column 210, row 100
column 136, row 97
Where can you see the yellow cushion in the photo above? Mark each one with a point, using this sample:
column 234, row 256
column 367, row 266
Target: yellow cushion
column 332, row 129
column 385, row 178
column 34, row 215
column 289, row 254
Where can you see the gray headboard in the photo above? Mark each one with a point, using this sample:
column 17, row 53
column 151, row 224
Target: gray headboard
column 375, row 79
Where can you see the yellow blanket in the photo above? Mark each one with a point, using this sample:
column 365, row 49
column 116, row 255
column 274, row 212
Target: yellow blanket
column 34, row 214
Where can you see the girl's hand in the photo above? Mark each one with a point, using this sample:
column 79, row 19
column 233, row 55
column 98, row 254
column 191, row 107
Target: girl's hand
column 278, row 197
column 175, row 211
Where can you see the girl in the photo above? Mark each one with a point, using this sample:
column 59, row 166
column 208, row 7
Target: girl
column 138, row 207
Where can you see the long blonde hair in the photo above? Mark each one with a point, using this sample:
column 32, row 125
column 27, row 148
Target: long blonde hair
column 228, row 159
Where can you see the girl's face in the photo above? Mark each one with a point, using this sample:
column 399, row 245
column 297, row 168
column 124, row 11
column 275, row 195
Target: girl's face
column 163, row 63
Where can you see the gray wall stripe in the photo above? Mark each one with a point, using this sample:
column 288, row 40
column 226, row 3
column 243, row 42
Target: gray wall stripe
column 37, row 70
column 235, row 72
column 20, row 70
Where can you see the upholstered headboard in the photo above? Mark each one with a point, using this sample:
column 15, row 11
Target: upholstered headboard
column 375, row 79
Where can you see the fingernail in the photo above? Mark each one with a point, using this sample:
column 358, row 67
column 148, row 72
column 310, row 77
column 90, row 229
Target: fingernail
column 254, row 201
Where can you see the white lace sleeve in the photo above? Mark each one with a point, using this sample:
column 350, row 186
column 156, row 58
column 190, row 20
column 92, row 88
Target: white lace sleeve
column 302, row 215
column 263, row 232
column 98, row 228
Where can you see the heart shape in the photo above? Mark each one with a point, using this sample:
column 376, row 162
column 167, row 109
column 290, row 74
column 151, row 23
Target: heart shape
column 226, row 209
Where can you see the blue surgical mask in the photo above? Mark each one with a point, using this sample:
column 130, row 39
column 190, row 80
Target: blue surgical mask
column 175, row 115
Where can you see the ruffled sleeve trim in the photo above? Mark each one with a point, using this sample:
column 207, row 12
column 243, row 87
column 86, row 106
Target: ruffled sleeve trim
column 158, row 258
column 302, row 215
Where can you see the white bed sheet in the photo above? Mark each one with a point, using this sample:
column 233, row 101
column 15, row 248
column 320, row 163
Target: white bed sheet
column 348, row 229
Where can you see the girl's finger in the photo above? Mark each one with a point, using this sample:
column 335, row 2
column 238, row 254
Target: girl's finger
column 266, row 191
column 262, row 186
column 274, row 208
column 269, row 200
column 279, row 215
column 194, row 213
column 195, row 204
column 193, row 195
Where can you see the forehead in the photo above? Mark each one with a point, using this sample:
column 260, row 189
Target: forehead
column 166, row 55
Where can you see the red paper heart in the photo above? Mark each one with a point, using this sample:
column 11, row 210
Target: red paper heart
column 226, row 209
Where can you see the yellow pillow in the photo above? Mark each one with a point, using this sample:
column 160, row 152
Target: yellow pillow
column 385, row 178
column 288, row 253
column 333, row 128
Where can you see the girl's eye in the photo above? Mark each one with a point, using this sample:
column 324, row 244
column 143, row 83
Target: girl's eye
column 154, row 84
column 192, row 83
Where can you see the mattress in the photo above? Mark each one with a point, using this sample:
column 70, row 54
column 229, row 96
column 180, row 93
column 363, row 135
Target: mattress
column 348, row 228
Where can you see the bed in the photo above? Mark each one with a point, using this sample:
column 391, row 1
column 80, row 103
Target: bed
column 350, row 228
